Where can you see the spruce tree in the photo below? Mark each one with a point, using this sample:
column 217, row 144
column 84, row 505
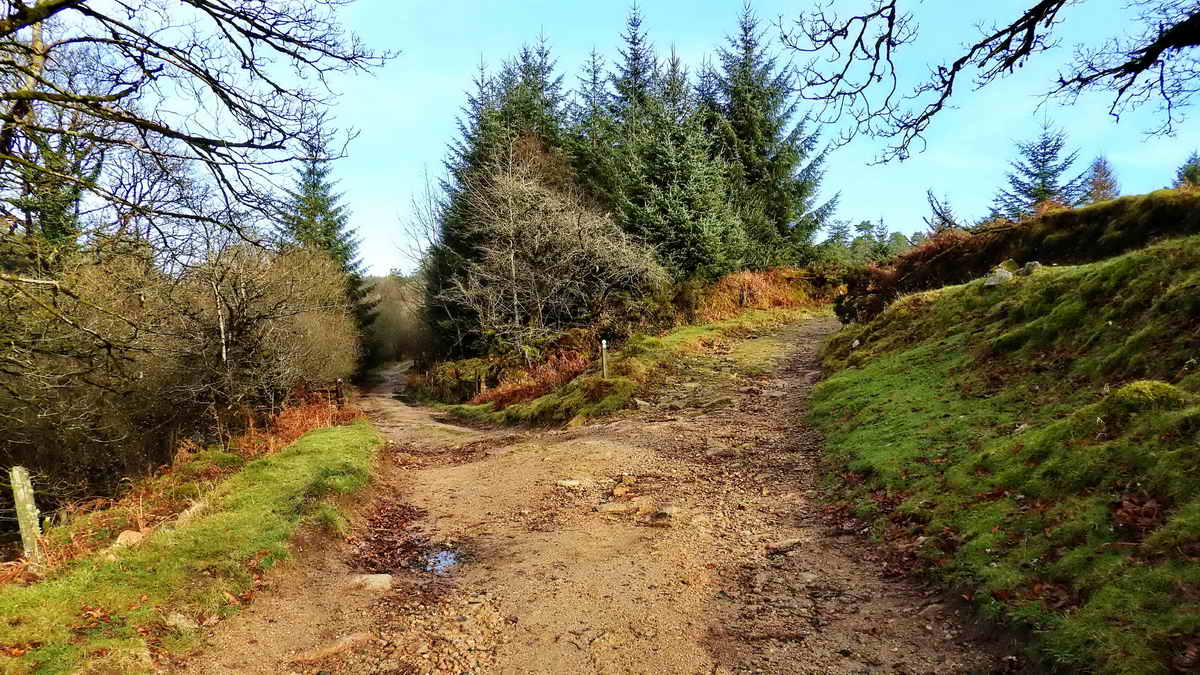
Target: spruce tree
column 675, row 195
column 523, row 100
column 1188, row 175
column 776, row 166
column 1100, row 183
column 593, row 130
column 317, row 219
column 1039, row 175
column 638, row 71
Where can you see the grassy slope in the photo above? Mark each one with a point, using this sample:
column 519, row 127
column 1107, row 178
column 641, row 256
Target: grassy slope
column 1039, row 443
column 630, row 367
column 101, row 615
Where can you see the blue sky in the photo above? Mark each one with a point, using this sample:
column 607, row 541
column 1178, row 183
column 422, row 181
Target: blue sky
column 405, row 113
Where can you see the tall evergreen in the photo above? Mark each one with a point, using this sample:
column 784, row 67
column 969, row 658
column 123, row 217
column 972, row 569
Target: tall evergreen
column 777, row 167
column 1040, row 175
column 638, row 71
column 1188, row 175
column 593, row 130
column 1100, row 183
column 675, row 195
column 674, row 88
column 524, row 99
column 316, row 218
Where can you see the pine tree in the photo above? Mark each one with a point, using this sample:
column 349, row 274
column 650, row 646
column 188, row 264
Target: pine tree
column 523, row 100
column 1100, row 183
column 675, row 89
column 1188, row 175
column 317, row 219
column 593, row 130
column 1038, row 176
column 675, row 196
column 638, row 71
column 775, row 164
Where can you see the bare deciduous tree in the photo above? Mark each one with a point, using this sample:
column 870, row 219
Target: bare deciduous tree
column 547, row 260
column 852, row 71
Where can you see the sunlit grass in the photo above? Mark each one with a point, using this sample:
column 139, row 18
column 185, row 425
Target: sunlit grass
column 107, row 612
column 1044, row 438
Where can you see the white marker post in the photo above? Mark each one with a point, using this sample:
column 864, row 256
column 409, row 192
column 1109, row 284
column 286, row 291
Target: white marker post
column 27, row 515
column 604, row 358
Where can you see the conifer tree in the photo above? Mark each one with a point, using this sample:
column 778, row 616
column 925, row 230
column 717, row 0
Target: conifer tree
column 638, row 71
column 674, row 88
column 524, row 99
column 775, row 164
column 1188, row 175
column 1039, row 175
column 317, row 219
column 675, row 195
column 593, row 130
column 1100, row 183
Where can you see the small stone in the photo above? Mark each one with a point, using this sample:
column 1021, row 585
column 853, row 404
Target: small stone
column 180, row 623
column 642, row 405
column 570, row 483
column 345, row 644
column 720, row 402
column 784, row 545
column 1030, row 268
column 380, row 583
column 616, row 507
column 664, row 516
column 620, row 491
column 130, row 538
column 997, row 277
column 1009, row 265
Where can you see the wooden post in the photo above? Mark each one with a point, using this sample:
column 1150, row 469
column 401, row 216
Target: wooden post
column 604, row 358
column 341, row 393
column 27, row 515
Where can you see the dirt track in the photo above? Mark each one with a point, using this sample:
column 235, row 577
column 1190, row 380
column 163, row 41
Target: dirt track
column 685, row 537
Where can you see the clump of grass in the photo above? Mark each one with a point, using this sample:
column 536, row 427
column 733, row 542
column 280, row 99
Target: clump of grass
column 1041, row 441
column 110, row 613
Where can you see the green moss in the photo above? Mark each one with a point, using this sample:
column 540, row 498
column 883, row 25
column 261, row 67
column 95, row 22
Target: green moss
column 1045, row 438
column 186, row 568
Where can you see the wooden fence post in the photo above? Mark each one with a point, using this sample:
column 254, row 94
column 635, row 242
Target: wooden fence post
column 27, row 516
column 604, row 357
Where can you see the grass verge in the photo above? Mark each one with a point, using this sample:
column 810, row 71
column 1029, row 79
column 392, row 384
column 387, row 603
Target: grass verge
column 1037, row 444
column 633, row 367
column 113, row 611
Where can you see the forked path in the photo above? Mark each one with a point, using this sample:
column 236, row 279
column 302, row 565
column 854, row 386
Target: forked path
column 684, row 537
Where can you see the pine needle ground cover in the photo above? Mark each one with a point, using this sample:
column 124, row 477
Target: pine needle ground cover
column 111, row 613
column 1038, row 445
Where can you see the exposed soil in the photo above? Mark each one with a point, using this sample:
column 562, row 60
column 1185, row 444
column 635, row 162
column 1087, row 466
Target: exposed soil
column 688, row 536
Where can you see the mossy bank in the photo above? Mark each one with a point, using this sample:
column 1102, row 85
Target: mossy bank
column 1038, row 443
column 112, row 611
